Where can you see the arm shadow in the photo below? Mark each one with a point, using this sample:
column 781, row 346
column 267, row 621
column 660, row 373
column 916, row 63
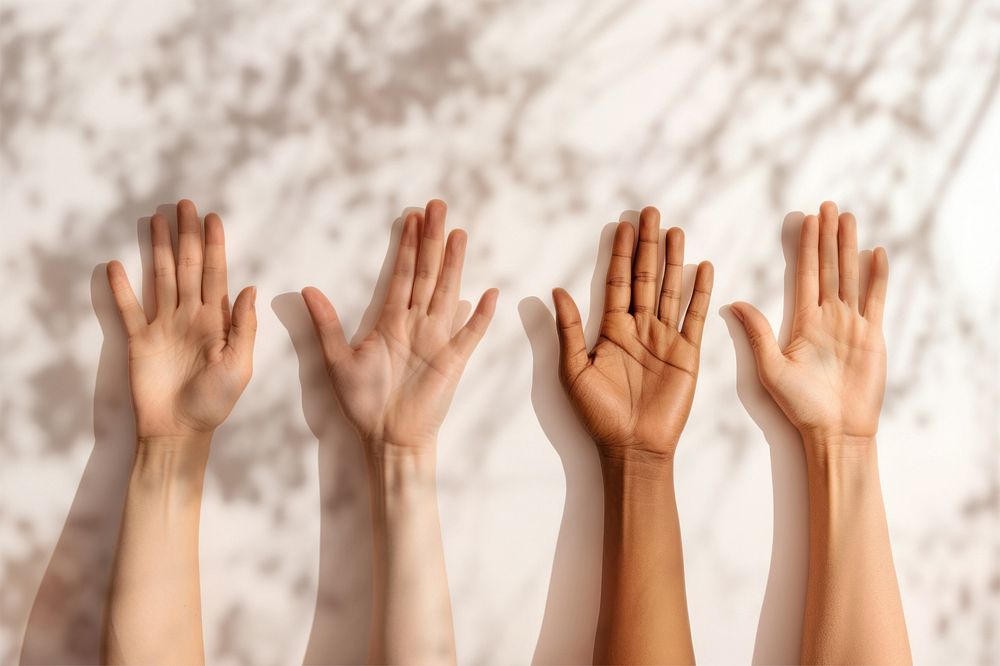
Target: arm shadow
column 342, row 619
column 779, row 629
column 65, row 622
column 64, row 626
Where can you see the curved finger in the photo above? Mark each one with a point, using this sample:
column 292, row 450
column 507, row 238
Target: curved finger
column 877, row 287
column 328, row 327
column 807, row 265
column 645, row 269
column 243, row 332
column 760, row 337
column 164, row 266
column 468, row 336
column 429, row 254
column 449, row 283
column 847, row 252
column 572, row 345
column 829, row 264
column 618, row 293
column 401, row 282
column 694, row 319
column 214, row 284
column 189, row 252
column 132, row 314
column 670, row 294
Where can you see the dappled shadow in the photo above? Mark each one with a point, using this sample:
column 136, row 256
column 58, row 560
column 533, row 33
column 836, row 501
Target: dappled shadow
column 302, row 126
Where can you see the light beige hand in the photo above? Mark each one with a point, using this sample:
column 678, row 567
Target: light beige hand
column 830, row 377
column 190, row 362
column 829, row 380
column 395, row 388
column 396, row 385
column 188, row 365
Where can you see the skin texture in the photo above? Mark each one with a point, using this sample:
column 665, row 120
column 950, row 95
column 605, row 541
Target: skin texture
column 829, row 380
column 633, row 392
column 189, row 361
column 395, row 387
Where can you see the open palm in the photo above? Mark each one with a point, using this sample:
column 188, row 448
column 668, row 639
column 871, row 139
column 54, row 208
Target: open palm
column 830, row 377
column 396, row 385
column 188, row 364
column 634, row 390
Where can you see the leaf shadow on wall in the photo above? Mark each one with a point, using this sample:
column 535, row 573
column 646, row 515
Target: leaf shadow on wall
column 342, row 619
column 65, row 622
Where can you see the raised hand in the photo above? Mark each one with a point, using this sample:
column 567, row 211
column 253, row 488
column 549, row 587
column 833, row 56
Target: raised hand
column 830, row 377
column 634, row 390
column 633, row 393
column 829, row 380
column 396, row 385
column 190, row 360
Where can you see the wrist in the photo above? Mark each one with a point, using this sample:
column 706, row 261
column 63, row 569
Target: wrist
column 396, row 464
column 171, row 462
column 635, row 459
column 833, row 447
column 636, row 475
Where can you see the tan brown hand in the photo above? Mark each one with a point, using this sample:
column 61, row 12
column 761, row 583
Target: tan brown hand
column 634, row 390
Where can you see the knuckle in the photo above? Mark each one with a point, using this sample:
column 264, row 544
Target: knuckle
column 645, row 276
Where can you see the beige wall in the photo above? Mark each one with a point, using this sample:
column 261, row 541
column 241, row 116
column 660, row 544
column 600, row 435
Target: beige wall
column 310, row 126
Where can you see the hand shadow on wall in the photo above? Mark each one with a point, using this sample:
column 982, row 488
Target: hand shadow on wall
column 65, row 622
column 779, row 630
column 342, row 619
column 571, row 609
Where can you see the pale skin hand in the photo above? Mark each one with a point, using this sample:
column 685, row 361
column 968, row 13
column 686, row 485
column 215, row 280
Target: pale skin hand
column 633, row 393
column 395, row 387
column 188, row 364
column 829, row 380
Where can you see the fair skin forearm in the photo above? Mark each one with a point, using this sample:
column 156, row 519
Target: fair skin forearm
column 643, row 617
column 395, row 387
column 412, row 607
column 154, row 610
column 829, row 380
column 189, row 361
column 851, row 590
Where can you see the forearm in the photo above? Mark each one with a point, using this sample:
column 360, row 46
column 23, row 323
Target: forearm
column 154, row 607
column 643, row 616
column 853, row 611
column 412, row 609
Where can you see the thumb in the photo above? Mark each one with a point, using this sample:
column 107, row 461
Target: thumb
column 759, row 335
column 243, row 329
column 572, row 346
